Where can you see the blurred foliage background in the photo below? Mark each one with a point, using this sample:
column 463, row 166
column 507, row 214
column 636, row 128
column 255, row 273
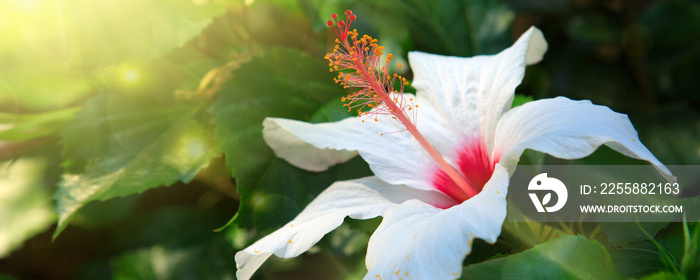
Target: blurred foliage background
column 105, row 103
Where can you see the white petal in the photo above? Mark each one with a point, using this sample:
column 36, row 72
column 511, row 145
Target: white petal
column 247, row 264
column 300, row 153
column 472, row 93
column 358, row 199
column 568, row 129
column 418, row 241
column 537, row 46
column 394, row 156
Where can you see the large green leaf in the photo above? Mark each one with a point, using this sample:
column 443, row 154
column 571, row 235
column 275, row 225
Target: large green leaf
column 567, row 257
column 25, row 204
column 120, row 144
column 642, row 258
column 173, row 242
column 281, row 83
column 50, row 48
column 625, row 233
column 111, row 32
column 30, row 126
column 454, row 27
column 33, row 52
column 284, row 190
column 209, row 260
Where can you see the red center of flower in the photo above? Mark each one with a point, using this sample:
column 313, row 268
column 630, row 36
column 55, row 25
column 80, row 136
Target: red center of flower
column 476, row 165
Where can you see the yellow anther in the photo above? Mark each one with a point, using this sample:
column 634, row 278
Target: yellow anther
column 399, row 65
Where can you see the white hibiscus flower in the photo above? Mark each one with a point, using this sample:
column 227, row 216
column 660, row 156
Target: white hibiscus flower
column 442, row 169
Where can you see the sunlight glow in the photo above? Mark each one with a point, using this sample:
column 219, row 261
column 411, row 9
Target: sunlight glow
column 131, row 75
column 25, row 6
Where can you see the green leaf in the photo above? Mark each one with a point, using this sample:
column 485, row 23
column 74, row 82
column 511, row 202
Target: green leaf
column 637, row 259
column 332, row 111
column 567, row 257
column 449, row 27
column 120, row 145
column 624, row 233
column 105, row 214
column 661, row 275
column 36, row 86
column 284, row 190
column 174, row 243
column 112, row 32
column 50, row 50
column 689, row 265
column 280, row 83
column 159, row 262
column 30, row 126
column 25, row 204
column 34, row 52
column 191, row 224
column 528, row 234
